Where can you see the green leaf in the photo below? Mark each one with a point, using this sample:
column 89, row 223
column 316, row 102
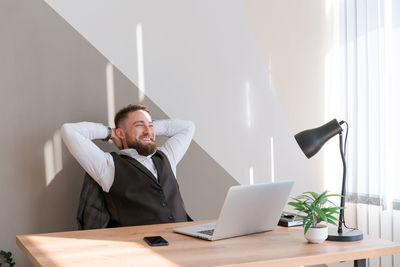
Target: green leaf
column 307, row 219
column 297, row 199
column 296, row 205
column 329, row 211
column 334, row 195
column 300, row 210
column 321, row 214
column 328, row 216
column 305, row 197
column 312, row 196
column 315, row 195
column 333, row 210
column 307, row 225
column 308, row 206
column 322, row 196
column 333, row 203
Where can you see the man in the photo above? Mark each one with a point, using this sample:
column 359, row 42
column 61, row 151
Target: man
column 138, row 182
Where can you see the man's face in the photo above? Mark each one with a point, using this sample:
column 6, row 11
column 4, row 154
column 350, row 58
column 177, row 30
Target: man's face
column 139, row 132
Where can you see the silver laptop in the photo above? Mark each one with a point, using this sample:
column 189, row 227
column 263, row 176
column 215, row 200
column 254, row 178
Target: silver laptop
column 247, row 209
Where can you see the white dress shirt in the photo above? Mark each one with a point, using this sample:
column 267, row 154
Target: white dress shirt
column 100, row 165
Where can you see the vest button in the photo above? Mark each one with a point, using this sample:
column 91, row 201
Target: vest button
column 164, row 204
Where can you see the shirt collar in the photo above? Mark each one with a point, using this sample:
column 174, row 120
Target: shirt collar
column 131, row 152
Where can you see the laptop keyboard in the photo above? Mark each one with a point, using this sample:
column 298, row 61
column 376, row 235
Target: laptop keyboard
column 207, row 232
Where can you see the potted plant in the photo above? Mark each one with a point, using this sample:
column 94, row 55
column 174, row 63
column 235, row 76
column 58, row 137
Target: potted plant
column 315, row 208
column 5, row 258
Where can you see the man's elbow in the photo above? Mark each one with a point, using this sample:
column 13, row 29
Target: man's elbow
column 65, row 130
column 191, row 126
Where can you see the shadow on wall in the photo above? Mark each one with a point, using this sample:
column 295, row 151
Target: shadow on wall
column 51, row 75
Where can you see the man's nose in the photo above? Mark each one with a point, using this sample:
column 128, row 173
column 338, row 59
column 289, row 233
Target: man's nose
column 146, row 129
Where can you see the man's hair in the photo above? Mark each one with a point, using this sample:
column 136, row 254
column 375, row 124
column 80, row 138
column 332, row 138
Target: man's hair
column 123, row 112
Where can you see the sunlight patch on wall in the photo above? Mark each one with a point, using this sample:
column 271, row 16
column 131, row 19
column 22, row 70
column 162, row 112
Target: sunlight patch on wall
column 251, row 175
column 248, row 104
column 140, row 62
column 53, row 157
column 110, row 94
column 334, row 79
column 272, row 159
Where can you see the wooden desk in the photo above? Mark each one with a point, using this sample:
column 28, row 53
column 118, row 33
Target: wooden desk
column 126, row 247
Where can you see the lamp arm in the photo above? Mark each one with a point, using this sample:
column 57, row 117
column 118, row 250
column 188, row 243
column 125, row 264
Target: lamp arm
column 342, row 198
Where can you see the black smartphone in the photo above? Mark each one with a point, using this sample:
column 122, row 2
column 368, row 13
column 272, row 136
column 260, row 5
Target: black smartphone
column 155, row 241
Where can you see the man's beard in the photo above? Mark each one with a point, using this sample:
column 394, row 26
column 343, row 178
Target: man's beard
column 143, row 149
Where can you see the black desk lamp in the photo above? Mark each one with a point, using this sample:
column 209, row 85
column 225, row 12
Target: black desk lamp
column 311, row 141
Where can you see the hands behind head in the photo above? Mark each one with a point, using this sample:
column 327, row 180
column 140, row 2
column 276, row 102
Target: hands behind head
column 117, row 141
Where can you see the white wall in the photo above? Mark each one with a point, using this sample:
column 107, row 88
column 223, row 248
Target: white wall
column 294, row 40
column 200, row 62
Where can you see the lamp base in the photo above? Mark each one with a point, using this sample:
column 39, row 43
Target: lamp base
column 347, row 235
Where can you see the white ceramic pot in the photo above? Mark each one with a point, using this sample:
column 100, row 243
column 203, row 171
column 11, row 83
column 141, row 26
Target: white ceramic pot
column 317, row 234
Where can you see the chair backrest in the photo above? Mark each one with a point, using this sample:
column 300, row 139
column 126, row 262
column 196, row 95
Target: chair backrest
column 92, row 210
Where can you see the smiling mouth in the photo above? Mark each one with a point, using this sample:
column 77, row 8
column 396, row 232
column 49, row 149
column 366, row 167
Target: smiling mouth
column 147, row 139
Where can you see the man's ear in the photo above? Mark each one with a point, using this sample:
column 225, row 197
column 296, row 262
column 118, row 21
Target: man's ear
column 120, row 133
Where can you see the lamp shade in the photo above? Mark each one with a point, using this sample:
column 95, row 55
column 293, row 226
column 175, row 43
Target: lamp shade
column 311, row 141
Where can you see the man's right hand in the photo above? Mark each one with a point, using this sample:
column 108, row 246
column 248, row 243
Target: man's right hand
column 116, row 140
